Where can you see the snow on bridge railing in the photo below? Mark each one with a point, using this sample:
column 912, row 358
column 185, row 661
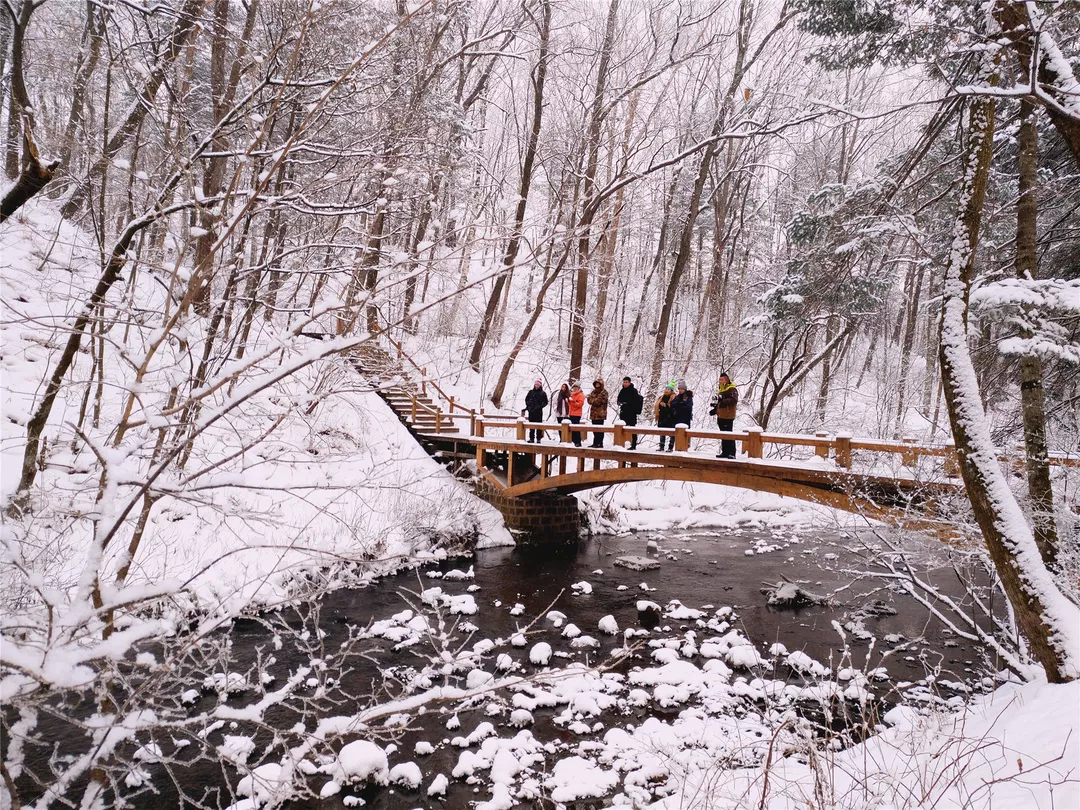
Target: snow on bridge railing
column 842, row 446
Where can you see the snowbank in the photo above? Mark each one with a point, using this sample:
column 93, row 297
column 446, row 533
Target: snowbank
column 1014, row 748
column 337, row 480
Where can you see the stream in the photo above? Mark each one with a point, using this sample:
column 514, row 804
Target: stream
column 707, row 585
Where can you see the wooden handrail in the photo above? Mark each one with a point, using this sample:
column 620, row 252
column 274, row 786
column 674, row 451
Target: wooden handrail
column 841, row 445
column 402, row 354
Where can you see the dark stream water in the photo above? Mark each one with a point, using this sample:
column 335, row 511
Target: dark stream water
column 701, row 569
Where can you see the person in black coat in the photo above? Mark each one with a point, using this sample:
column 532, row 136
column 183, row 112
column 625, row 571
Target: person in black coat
column 682, row 406
column 535, row 402
column 630, row 405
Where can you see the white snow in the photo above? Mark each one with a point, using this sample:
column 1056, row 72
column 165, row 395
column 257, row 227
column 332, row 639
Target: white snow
column 360, row 761
column 438, row 785
column 607, row 624
column 406, row 774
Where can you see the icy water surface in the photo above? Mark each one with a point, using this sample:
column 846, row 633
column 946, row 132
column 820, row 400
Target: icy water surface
column 711, row 573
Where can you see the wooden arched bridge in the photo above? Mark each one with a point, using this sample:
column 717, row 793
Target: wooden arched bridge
column 902, row 482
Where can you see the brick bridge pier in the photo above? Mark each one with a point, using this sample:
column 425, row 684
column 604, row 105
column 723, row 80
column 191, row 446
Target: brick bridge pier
column 542, row 517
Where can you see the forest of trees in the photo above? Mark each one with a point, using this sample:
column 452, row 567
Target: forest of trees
column 790, row 190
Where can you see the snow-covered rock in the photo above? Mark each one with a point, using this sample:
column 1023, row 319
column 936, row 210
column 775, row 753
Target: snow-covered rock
column 607, row 624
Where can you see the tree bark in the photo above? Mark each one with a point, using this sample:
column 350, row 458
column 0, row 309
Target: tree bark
column 19, row 110
column 34, row 176
column 658, row 260
column 1023, row 27
column 222, row 92
column 1033, row 408
column 514, row 245
column 911, row 322
column 88, row 59
column 1048, row 620
column 184, row 28
column 588, row 196
column 682, row 256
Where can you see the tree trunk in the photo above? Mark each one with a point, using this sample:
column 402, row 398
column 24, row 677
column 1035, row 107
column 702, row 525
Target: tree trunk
column 905, row 348
column 504, row 373
column 682, row 256
column 419, row 232
column 826, row 372
column 88, row 59
column 658, row 259
column 1031, row 389
column 1048, row 620
column 514, row 245
column 588, row 196
column 1025, row 29
column 19, row 110
column 40, row 418
column 34, row 176
column 184, row 27
column 223, row 93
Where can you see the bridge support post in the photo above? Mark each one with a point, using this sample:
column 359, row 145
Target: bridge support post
column 521, row 429
column 620, row 434
column 682, row 441
column 564, row 432
column 753, row 443
column 545, row 517
column 910, row 455
column 951, row 464
column 843, row 450
column 821, row 448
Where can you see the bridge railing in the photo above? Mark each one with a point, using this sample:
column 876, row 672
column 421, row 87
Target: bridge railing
column 840, row 447
column 425, row 382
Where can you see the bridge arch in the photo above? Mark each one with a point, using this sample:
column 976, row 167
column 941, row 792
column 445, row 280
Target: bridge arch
column 838, row 498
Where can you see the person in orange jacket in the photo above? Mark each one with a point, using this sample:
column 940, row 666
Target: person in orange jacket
column 577, row 404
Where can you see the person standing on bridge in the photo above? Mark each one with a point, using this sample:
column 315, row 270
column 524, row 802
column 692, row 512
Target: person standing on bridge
column 535, row 402
column 723, row 407
column 663, row 414
column 682, row 407
column 577, row 404
column 630, row 405
column 598, row 405
column 561, row 407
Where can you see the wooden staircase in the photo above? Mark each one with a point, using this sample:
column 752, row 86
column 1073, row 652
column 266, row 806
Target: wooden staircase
column 408, row 398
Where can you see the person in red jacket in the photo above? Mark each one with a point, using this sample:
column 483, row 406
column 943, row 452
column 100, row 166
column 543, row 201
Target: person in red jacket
column 577, row 404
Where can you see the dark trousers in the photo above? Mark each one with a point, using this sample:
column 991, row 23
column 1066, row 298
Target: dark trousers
column 727, row 446
column 666, row 439
column 575, row 435
column 536, row 435
column 631, row 421
column 597, row 437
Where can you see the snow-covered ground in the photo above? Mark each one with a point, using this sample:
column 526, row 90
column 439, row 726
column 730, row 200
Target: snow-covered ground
column 339, row 483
